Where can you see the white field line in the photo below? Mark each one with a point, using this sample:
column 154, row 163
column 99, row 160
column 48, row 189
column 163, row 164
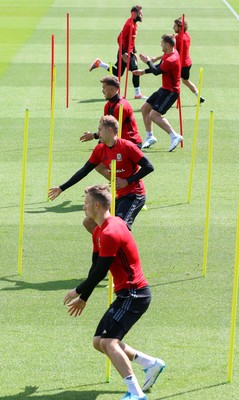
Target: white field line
column 231, row 9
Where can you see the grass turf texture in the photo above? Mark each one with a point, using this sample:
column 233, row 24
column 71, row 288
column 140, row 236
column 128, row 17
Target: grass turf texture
column 44, row 353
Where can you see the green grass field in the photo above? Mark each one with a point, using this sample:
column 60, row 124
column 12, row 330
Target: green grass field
column 45, row 354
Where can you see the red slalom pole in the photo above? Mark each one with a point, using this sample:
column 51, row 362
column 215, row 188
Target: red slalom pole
column 120, row 58
column 67, row 57
column 128, row 59
column 52, row 61
column 180, row 118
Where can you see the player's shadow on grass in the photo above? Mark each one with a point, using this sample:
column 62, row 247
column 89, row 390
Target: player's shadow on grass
column 171, row 396
column 64, row 395
column 45, row 286
column 62, row 208
column 42, row 286
column 151, row 207
column 91, row 101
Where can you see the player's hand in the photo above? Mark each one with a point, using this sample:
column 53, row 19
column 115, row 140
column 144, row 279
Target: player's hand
column 70, row 296
column 121, row 183
column 87, row 136
column 76, row 307
column 144, row 57
column 125, row 57
column 135, row 56
column 138, row 72
column 54, row 192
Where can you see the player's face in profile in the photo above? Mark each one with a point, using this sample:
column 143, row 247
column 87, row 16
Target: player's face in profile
column 175, row 28
column 138, row 16
column 108, row 91
column 104, row 133
column 89, row 206
column 163, row 45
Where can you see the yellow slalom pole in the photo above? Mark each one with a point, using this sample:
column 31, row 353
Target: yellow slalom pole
column 24, row 162
column 110, row 68
column 110, row 290
column 208, row 194
column 51, row 130
column 195, row 136
column 234, row 304
column 121, row 109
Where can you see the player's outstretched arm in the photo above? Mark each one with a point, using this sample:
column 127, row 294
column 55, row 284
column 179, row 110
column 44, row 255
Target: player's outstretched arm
column 54, row 192
column 87, row 136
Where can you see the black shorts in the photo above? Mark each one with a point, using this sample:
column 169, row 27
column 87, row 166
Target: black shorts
column 185, row 72
column 162, row 100
column 123, row 313
column 128, row 207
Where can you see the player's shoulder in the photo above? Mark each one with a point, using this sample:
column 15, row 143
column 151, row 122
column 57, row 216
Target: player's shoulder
column 126, row 105
column 113, row 228
column 113, row 221
column 126, row 145
column 99, row 146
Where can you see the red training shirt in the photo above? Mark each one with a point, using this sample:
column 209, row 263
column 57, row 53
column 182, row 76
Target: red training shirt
column 170, row 65
column 113, row 239
column 126, row 33
column 186, row 59
column 127, row 155
column 130, row 129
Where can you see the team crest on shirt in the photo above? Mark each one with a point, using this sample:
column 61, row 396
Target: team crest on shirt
column 119, row 157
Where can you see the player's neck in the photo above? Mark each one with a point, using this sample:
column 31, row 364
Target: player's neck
column 111, row 142
column 100, row 219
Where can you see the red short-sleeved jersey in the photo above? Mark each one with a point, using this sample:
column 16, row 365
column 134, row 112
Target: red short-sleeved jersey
column 130, row 129
column 127, row 155
column 113, row 239
column 170, row 65
column 126, row 33
column 186, row 59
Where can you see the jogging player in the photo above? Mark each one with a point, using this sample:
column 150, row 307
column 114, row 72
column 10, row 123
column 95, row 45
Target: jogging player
column 131, row 167
column 126, row 44
column 115, row 250
column 129, row 131
column 162, row 100
column 186, row 59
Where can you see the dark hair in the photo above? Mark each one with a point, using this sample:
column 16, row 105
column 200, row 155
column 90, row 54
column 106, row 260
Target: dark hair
column 169, row 38
column 100, row 193
column 110, row 122
column 136, row 8
column 110, row 81
column 178, row 21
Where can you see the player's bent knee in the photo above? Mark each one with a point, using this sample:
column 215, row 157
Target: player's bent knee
column 108, row 345
column 96, row 343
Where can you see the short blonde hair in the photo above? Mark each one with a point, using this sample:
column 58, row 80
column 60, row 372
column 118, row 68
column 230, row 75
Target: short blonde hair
column 100, row 193
column 110, row 122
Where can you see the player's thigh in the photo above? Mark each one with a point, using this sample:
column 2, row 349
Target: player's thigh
column 164, row 101
column 121, row 316
column 185, row 73
column 127, row 208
